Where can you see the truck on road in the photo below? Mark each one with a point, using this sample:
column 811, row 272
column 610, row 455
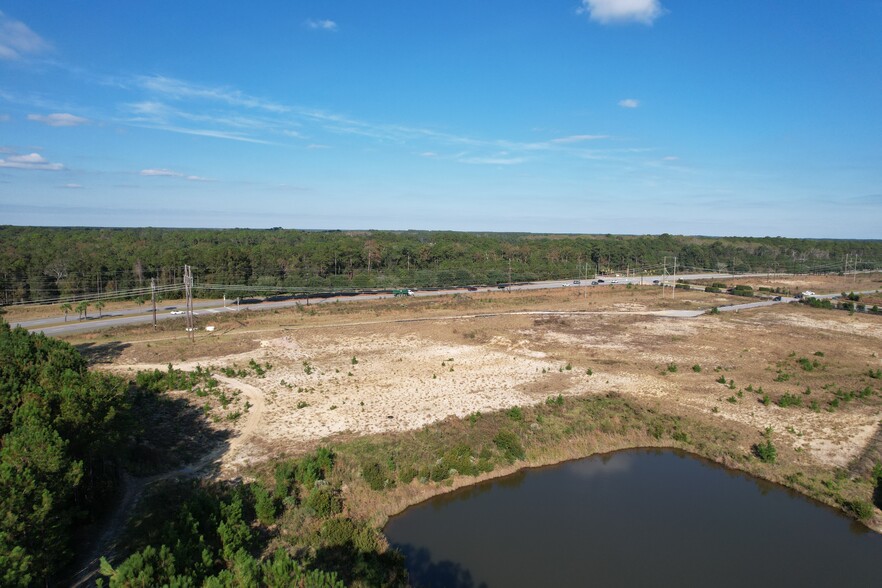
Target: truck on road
column 402, row 292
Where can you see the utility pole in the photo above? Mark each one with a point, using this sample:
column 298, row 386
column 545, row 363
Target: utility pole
column 664, row 275
column 153, row 298
column 674, row 288
column 509, row 274
column 188, row 292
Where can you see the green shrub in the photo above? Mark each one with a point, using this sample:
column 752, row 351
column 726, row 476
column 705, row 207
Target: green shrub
column 766, row 451
column 789, row 400
column 508, row 443
column 672, row 367
column 861, row 509
column 515, row 413
column 315, row 467
column 555, row 400
column 284, row 477
column 343, row 531
column 324, row 502
column 696, row 368
column 264, row 505
column 374, row 473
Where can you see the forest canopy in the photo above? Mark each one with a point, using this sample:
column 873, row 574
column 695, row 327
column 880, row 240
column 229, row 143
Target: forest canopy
column 42, row 263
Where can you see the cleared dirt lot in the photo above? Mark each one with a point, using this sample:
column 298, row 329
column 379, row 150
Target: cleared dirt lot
column 400, row 364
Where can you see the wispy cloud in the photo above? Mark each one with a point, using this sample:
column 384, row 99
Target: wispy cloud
column 59, row 119
column 17, row 40
column 497, row 160
column 629, row 103
column 578, row 138
column 72, row 186
column 622, row 11
column 321, row 24
column 168, row 173
column 179, row 89
column 31, row 161
column 4, row 118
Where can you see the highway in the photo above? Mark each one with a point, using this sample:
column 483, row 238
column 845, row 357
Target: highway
column 204, row 309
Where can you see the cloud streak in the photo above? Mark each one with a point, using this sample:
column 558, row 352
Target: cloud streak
column 59, row 119
column 629, row 103
column 168, row 173
column 17, row 40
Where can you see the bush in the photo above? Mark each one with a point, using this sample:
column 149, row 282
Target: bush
column 324, row 502
column 766, row 452
column 315, row 467
column 672, row 367
column 264, row 505
column 508, row 443
column 789, row 400
column 555, row 400
column 375, row 475
column 343, row 531
column 697, row 369
column 515, row 413
column 861, row 509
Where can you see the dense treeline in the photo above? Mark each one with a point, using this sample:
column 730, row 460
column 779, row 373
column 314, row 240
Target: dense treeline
column 43, row 263
column 67, row 434
column 61, row 432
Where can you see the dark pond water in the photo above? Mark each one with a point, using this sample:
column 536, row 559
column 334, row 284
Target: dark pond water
column 633, row 518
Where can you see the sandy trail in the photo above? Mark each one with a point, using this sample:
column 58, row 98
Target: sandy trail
column 133, row 487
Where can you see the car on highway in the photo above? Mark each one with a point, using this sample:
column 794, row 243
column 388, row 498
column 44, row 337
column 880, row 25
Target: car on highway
column 777, row 299
column 613, row 281
column 593, row 282
column 600, row 281
column 576, row 282
column 177, row 312
column 656, row 282
column 472, row 288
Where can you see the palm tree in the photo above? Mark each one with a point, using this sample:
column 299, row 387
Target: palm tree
column 99, row 305
column 83, row 309
column 66, row 308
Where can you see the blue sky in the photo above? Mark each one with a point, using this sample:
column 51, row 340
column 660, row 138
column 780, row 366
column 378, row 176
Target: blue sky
column 570, row 116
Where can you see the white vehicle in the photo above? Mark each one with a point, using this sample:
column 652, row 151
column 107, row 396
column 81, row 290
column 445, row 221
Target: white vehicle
column 177, row 312
column 807, row 293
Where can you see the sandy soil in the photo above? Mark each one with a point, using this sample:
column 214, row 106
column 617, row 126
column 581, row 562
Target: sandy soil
column 407, row 374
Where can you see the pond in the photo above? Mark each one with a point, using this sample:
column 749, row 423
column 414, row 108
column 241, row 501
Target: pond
column 633, row 518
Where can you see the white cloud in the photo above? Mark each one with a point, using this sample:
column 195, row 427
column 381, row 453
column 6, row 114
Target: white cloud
column 17, row 40
column 428, row 154
column 72, row 186
column 4, row 118
column 32, row 161
column 168, row 173
column 629, row 103
column 670, row 158
column 59, row 119
column 321, row 24
column 161, row 172
column 621, row 11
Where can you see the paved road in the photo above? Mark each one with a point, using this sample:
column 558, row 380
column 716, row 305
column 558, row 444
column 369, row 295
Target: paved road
column 204, row 309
